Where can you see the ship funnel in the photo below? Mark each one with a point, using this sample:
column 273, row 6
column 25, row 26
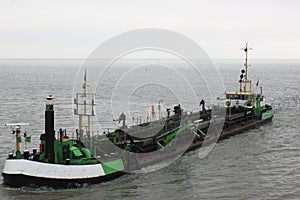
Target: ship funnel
column 49, row 129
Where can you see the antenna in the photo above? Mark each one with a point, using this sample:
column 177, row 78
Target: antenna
column 84, row 82
column 17, row 124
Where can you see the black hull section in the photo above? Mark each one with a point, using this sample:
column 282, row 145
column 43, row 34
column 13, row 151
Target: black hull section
column 147, row 161
column 244, row 128
column 235, row 131
column 20, row 180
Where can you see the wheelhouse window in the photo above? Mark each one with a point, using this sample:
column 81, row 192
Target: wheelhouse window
column 238, row 96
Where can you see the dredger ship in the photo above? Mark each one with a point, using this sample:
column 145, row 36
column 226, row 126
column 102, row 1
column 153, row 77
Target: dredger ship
column 63, row 161
column 181, row 131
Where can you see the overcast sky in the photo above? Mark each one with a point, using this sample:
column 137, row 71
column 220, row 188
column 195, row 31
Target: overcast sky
column 72, row 29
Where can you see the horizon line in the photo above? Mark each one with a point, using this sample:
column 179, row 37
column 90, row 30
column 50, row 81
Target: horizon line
column 65, row 58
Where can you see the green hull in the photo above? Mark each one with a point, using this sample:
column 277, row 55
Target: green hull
column 267, row 115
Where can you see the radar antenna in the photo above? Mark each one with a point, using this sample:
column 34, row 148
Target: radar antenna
column 16, row 129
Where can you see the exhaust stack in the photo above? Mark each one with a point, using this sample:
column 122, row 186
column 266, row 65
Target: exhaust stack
column 49, row 129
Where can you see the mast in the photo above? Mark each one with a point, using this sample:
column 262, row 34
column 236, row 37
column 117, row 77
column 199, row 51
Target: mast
column 246, row 80
column 159, row 106
column 84, row 82
column 85, row 102
column 246, row 62
column 16, row 129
